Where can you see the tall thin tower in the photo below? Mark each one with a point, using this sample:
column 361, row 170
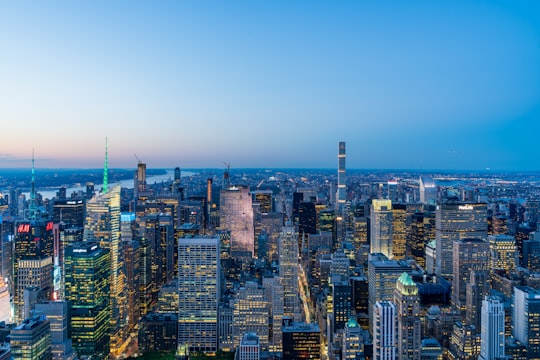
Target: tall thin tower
column 342, row 177
column 105, row 188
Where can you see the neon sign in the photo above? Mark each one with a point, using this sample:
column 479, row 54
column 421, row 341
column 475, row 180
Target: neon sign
column 49, row 226
column 23, row 228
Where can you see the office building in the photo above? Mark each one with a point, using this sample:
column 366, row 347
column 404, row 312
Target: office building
column 492, row 336
column 199, row 275
column 407, row 303
column 382, row 277
column 456, row 221
column 103, row 226
column 69, row 212
column 32, row 339
column 251, row 314
column 34, row 244
column 399, row 230
column 430, row 349
column 353, row 346
column 526, row 319
column 274, row 295
column 57, row 314
column 468, row 254
column 384, row 331
column 87, row 276
column 33, row 276
column 381, row 227
column 301, row 341
column 5, row 305
column 158, row 332
column 249, row 347
column 503, row 254
column 236, row 216
column 265, row 200
column 477, row 287
column 131, row 253
column 288, row 271
column 428, row 190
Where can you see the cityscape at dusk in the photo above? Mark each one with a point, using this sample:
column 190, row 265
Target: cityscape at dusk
column 415, row 85
column 270, row 180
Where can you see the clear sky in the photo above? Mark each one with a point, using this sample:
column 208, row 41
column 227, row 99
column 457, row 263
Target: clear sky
column 407, row 84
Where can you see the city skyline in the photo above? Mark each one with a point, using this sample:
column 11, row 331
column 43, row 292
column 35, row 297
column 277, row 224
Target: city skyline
column 271, row 85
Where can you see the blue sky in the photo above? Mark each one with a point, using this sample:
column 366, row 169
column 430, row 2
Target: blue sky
column 407, row 84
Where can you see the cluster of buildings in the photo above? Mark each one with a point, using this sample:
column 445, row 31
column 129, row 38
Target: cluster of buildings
column 274, row 265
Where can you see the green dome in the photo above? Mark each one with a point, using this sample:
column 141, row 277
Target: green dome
column 352, row 323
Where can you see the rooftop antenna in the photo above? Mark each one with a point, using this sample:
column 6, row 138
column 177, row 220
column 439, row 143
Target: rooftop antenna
column 105, row 188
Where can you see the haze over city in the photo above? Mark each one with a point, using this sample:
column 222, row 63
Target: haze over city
column 417, row 84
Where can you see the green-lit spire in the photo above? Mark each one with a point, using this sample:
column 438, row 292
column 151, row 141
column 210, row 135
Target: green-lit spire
column 105, row 188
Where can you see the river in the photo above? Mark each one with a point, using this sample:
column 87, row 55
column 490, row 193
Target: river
column 49, row 193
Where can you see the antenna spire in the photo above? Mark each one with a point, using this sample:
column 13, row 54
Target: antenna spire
column 105, row 188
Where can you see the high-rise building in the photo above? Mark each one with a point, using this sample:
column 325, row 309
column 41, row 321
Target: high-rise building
column 57, row 314
column 274, row 295
column 33, row 241
column 478, row 287
column 87, row 276
column 251, row 314
column 341, row 196
column 428, row 190
column 288, row 271
column 158, row 332
column 301, row 341
column 456, row 221
column 236, row 215
column 70, row 212
column 5, row 305
column 139, row 188
column 381, row 229
column 526, row 319
column 34, row 275
column 399, row 230
column 503, row 254
column 468, row 254
column 492, row 336
column 131, row 255
column 249, row 347
column 353, row 346
column 382, row 277
column 31, row 339
column 384, row 331
column 431, row 349
column 407, row 304
column 103, row 226
column 265, row 199
column 199, row 277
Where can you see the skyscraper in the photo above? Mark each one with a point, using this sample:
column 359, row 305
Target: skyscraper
column 57, row 313
column 34, row 243
column 288, row 271
column 249, row 347
column 384, row 331
column 428, row 190
column 236, row 215
column 251, row 314
column 87, row 275
column 468, row 254
column 503, row 253
column 492, row 336
column 526, row 319
column 455, row 221
column 381, row 227
column 198, row 293
column 31, row 339
column 341, row 195
column 407, row 304
column 103, row 226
